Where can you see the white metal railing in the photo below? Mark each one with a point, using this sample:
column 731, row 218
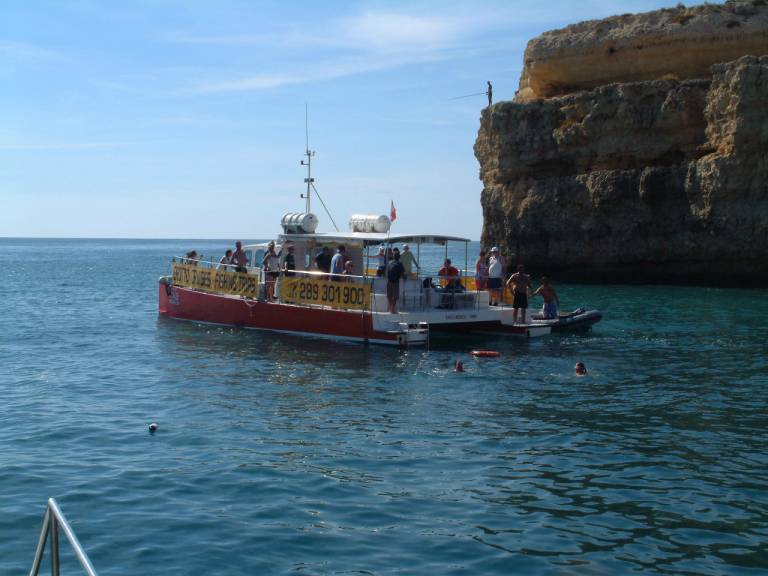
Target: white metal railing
column 415, row 295
column 53, row 520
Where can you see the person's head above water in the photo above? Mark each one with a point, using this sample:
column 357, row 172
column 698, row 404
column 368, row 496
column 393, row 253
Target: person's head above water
column 580, row 369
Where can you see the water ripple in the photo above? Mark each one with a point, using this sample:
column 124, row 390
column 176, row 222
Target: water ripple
column 278, row 454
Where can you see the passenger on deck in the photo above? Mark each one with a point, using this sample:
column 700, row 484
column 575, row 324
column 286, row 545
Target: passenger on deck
column 239, row 258
column 349, row 271
column 192, row 258
column 395, row 271
column 381, row 262
column 521, row 287
column 449, row 275
column 271, row 265
column 289, row 262
column 481, row 271
column 408, row 260
column 337, row 263
column 323, row 260
column 225, row 261
column 495, row 274
column 551, row 301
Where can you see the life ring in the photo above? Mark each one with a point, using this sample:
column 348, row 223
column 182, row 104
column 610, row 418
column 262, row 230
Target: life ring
column 485, row 353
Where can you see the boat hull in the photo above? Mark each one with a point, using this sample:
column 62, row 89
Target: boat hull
column 193, row 305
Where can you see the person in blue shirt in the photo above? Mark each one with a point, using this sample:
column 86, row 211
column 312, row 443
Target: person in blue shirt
column 337, row 263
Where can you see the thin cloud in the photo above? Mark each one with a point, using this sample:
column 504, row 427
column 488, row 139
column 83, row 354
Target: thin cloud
column 369, row 42
column 366, row 32
column 22, row 146
column 27, row 51
column 318, row 72
column 393, row 32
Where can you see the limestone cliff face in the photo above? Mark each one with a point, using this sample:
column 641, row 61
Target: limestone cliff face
column 677, row 42
column 662, row 180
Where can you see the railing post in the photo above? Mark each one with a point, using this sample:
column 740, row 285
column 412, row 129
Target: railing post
column 41, row 543
column 53, row 519
column 54, row 546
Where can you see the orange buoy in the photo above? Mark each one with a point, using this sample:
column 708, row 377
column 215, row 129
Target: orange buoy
column 485, row 353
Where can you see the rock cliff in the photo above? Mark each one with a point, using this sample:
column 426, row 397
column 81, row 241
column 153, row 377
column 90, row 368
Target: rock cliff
column 680, row 42
column 656, row 180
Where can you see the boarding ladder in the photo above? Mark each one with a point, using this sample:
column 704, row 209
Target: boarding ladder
column 53, row 521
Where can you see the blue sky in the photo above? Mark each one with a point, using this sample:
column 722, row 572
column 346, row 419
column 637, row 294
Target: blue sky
column 185, row 119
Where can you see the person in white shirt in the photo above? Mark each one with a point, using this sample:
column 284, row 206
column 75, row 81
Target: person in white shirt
column 495, row 275
column 225, row 261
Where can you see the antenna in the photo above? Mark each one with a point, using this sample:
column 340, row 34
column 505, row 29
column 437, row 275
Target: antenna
column 309, row 181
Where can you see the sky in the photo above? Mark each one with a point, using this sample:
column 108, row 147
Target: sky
column 186, row 118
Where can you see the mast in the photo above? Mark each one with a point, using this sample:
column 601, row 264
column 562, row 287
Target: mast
column 309, row 181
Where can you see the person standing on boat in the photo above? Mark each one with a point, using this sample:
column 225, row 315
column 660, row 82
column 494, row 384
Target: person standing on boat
column 271, row 265
column 225, row 261
column 289, row 262
column 408, row 260
column 521, row 286
column 337, row 263
column 395, row 271
column 495, row 274
column 381, row 262
column 239, row 258
column 323, row 260
column 481, row 271
column 349, row 271
column 551, row 301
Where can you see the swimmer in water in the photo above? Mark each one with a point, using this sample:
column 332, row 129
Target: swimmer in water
column 459, row 366
column 580, row 369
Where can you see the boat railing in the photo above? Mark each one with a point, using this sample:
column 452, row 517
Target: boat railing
column 53, row 521
column 420, row 292
column 317, row 288
column 212, row 265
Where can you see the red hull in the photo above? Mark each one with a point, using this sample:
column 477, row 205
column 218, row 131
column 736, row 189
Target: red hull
column 198, row 306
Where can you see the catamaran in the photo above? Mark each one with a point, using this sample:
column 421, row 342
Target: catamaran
column 309, row 300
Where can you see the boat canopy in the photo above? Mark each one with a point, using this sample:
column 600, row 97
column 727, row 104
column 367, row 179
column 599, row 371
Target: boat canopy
column 366, row 239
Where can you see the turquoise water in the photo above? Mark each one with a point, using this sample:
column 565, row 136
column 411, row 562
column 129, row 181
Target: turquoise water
column 279, row 454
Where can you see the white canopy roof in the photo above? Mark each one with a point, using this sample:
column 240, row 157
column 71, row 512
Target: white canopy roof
column 370, row 238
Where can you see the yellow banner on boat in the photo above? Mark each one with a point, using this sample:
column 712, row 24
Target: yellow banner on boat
column 344, row 295
column 212, row 280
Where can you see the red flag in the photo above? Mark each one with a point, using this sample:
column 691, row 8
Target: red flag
column 392, row 212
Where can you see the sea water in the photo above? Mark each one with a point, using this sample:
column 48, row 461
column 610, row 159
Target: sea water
column 279, row 454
